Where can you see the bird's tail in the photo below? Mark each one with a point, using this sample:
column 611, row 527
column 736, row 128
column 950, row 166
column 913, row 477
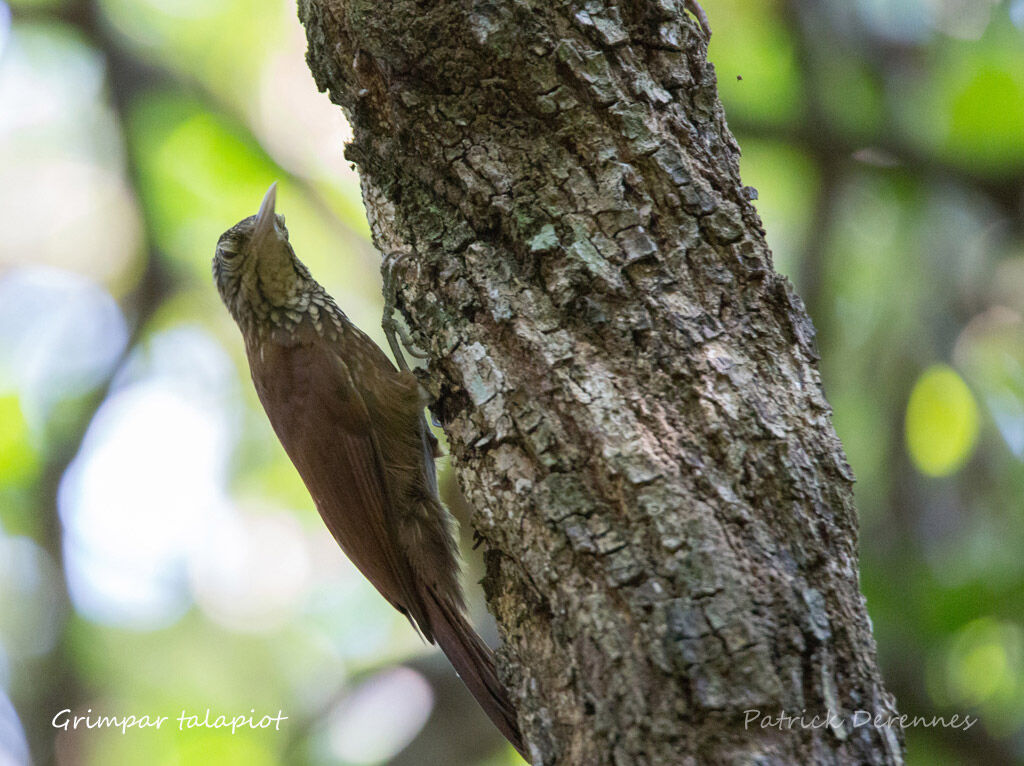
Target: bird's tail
column 474, row 663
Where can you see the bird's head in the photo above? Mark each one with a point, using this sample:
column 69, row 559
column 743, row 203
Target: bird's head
column 255, row 267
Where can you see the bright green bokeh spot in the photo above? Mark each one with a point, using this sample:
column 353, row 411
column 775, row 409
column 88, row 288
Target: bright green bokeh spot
column 506, row 757
column 223, row 748
column 988, row 115
column 193, row 747
column 983, row 668
column 18, row 459
column 942, row 422
column 973, row 97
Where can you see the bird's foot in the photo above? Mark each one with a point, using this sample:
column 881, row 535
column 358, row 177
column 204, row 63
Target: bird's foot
column 395, row 332
column 694, row 7
column 393, row 329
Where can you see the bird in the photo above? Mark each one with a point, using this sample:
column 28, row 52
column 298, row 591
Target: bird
column 353, row 426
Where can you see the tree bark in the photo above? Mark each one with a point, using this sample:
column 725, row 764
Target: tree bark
column 630, row 391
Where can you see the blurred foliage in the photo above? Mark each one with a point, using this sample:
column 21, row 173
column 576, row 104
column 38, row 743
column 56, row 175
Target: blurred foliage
column 142, row 491
column 18, row 459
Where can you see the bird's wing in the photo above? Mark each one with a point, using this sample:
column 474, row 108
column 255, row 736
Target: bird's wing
column 323, row 423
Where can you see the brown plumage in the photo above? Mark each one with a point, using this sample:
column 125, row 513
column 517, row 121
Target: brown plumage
column 353, row 426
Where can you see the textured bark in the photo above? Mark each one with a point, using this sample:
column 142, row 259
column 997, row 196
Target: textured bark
column 629, row 390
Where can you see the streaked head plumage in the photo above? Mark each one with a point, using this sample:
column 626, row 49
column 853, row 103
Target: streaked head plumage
column 254, row 265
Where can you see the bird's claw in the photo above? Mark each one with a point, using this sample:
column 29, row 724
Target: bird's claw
column 693, row 6
column 393, row 330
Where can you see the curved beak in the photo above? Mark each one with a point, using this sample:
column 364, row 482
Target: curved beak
column 264, row 225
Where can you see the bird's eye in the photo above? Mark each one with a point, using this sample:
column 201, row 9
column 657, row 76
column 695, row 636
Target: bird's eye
column 227, row 249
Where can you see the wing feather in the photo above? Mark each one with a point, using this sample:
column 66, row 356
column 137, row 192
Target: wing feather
column 325, row 427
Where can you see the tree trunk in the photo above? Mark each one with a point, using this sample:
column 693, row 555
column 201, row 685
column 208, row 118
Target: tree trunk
column 629, row 390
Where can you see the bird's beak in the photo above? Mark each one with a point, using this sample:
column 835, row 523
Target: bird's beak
column 265, row 219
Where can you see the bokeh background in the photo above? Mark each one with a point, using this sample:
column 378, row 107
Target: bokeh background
column 158, row 553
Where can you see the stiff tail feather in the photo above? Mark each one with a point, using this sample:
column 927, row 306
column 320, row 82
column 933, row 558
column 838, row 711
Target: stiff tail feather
column 474, row 663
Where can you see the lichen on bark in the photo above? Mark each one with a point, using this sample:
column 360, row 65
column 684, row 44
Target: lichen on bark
column 629, row 389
